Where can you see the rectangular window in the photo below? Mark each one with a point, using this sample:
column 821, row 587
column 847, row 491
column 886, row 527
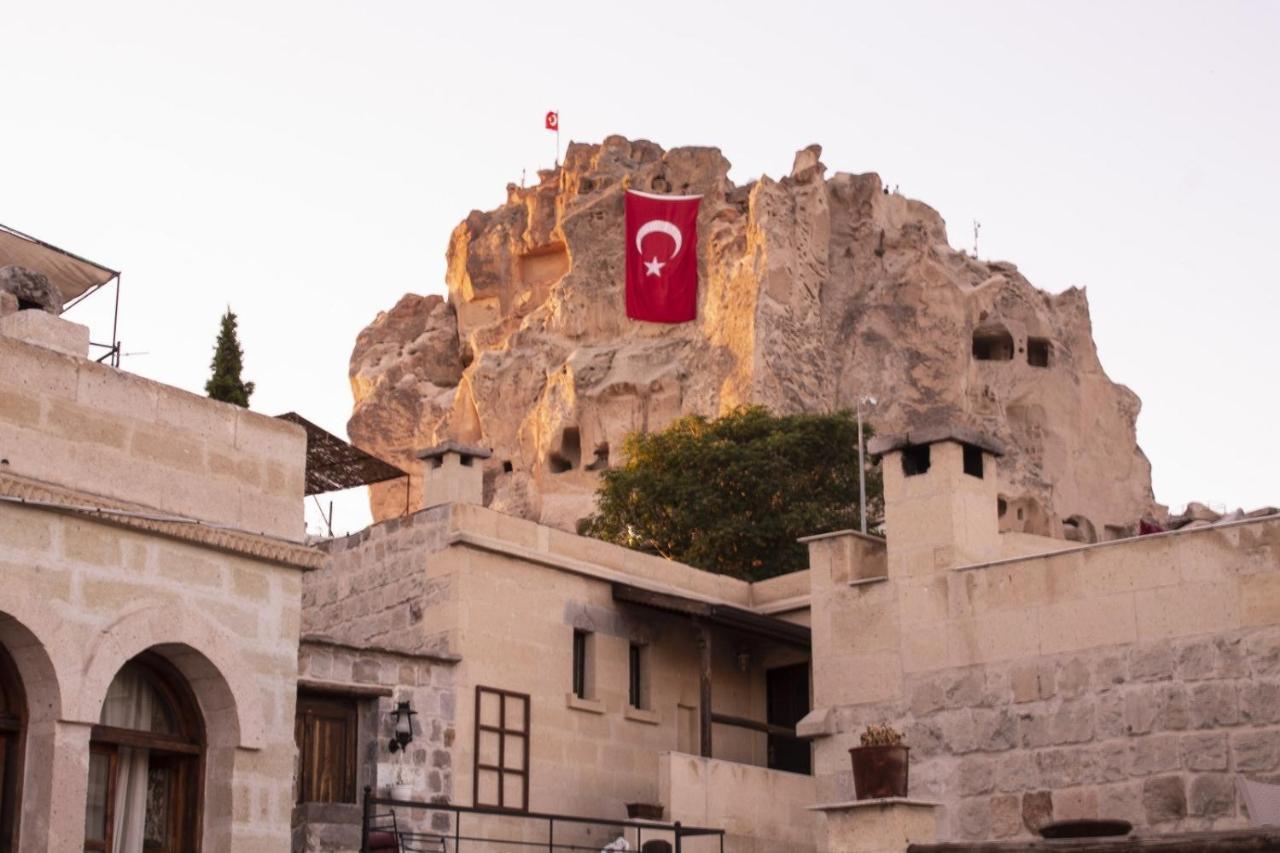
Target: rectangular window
column 1038, row 352
column 581, row 666
column 635, row 683
column 501, row 778
column 325, row 729
column 915, row 460
column 973, row 461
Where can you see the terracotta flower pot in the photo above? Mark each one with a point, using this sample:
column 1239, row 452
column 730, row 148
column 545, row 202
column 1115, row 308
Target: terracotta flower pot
column 879, row 771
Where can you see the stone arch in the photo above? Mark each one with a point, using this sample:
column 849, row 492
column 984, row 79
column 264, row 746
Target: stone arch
column 23, row 629
column 1078, row 528
column 200, row 650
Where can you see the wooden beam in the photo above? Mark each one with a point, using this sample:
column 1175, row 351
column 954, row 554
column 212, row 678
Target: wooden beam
column 704, row 702
column 753, row 725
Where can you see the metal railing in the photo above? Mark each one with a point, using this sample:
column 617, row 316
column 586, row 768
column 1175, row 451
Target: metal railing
column 380, row 830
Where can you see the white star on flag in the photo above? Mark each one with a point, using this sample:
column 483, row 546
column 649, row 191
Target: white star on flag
column 654, row 267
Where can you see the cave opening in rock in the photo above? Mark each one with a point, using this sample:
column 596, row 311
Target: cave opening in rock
column 569, row 455
column 1038, row 352
column 992, row 343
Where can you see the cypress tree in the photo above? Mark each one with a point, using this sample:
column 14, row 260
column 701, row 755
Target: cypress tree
column 225, row 384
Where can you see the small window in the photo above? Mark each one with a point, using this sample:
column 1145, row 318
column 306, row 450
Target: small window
column 635, row 683
column 915, row 460
column 581, row 665
column 973, row 461
column 1038, row 352
column 325, row 733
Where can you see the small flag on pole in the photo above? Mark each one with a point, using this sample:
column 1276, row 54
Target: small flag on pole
column 553, row 123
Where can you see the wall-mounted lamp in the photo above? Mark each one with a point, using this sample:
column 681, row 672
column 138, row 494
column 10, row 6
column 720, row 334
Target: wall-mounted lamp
column 403, row 715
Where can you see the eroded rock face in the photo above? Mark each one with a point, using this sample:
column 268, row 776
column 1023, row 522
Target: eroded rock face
column 31, row 289
column 814, row 291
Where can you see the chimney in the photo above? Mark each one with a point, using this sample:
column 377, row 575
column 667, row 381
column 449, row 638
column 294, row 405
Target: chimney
column 452, row 474
column 940, row 496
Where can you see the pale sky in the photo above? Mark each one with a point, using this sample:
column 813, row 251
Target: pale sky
column 304, row 162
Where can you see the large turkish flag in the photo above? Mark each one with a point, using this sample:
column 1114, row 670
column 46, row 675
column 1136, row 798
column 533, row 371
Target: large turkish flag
column 662, row 257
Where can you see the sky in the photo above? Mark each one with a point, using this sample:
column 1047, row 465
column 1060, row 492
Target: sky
column 305, row 162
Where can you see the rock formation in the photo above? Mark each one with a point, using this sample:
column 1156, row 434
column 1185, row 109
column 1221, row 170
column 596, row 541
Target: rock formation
column 31, row 289
column 814, row 291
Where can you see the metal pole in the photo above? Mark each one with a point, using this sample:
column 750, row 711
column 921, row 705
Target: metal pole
column 862, row 472
column 551, row 834
column 364, row 819
column 678, row 850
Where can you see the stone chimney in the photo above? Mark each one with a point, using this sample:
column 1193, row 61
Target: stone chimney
column 940, row 496
column 451, row 474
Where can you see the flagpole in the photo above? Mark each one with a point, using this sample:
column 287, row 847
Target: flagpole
column 557, row 139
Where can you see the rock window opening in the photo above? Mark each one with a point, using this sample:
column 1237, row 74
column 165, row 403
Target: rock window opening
column 1038, row 352
column 1002, row 506
column 973, row 461
column 601, row 462
column 992, row 343
column 28, row 305
column 915, row 460
column 583, row 646
column 569, row 455
column 1077, row 528
column 507, row 467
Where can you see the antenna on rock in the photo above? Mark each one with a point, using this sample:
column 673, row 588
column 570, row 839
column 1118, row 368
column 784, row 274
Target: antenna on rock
column 977, row 226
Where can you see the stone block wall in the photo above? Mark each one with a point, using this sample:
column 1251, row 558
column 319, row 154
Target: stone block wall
column 73, row 422
column 427, row 683
column 1153, row 734
column 82, row 596
column 1130, row 679
column 375, row 589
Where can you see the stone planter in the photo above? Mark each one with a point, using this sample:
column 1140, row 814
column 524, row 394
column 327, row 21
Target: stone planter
column 879, row 771
column 644, row 811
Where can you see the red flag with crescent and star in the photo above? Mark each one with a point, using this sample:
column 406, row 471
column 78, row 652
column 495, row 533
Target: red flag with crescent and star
column 662, row 257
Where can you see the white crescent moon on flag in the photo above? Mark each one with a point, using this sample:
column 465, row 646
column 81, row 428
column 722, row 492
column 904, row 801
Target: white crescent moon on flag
column 659, row 226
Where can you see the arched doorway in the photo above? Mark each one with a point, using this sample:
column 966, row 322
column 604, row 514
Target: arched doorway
column 146, row 757
column 13, row 721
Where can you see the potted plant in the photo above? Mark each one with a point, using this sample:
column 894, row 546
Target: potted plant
column 880, row 764
column 401, row 790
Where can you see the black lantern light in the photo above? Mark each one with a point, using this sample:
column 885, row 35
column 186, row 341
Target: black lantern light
column 403, row 715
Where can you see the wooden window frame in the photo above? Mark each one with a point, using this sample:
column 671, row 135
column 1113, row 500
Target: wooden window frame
column 502, row 731
column 187, row 817
column 330, row 706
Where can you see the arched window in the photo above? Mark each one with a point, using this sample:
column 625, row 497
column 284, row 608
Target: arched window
column 144, row 763
column 13, row 719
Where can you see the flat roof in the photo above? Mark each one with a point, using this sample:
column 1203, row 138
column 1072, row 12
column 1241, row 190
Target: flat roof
column 724, row 615
column 883, row 444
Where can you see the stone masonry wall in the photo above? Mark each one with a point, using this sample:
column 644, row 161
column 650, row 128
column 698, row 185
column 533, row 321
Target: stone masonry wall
column 374, row 589
column 1132, row 679
column 76, row 423
column 427, row 683
column 1154, row 734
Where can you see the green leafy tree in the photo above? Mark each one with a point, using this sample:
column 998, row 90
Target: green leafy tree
column 732, row 495
column 228, row 359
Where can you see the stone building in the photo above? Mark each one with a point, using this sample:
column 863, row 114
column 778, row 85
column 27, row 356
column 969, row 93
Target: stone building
column 151, row 556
